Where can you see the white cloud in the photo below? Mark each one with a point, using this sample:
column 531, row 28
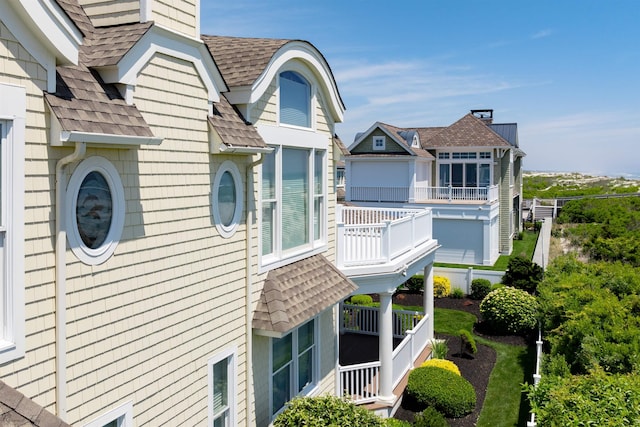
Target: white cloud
column 542, row 34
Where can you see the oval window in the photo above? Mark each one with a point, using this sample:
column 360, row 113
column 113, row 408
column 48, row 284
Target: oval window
column 95, row 210
column 227, row 203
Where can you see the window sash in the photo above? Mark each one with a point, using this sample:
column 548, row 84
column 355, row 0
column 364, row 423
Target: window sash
column 295, row 100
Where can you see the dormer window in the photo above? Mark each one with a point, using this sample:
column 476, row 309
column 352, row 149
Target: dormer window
column 295, row 100
column 378, row 142
column 416, row 142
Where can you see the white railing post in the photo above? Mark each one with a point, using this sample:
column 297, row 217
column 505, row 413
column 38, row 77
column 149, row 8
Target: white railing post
column 386, row 241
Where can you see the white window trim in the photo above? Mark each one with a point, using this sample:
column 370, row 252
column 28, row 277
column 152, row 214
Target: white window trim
column 298, row 68
column 108, row 171
column 279, row 257
column 379, row 139
column 232, row 374
column 311, row 389
column 123, row 414
column 13, row 110
column 227, row 231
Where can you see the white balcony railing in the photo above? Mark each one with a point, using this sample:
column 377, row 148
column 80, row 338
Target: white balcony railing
column 369, row 236
column 423, row 194
column 360, row 383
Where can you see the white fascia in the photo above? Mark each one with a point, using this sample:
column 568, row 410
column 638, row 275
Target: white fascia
column 45, row 31
column 302, row 51
column 378, row 125
column 171, row 43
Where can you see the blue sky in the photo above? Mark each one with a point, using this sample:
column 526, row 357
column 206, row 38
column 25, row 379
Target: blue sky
column 568, row 72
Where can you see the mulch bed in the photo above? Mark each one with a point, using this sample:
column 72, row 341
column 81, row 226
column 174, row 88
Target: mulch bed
column 477, row 369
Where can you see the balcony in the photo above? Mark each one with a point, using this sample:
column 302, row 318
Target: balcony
column 360, row 382
column 381, row 240
column 423, row 194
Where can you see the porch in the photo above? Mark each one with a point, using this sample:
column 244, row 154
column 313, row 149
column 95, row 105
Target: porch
column 359, row 363
column 422, row 194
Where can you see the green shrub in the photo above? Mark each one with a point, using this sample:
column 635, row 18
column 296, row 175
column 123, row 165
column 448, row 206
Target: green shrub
column 457, row 293
column 509, row 310
column 467, row 342
column 394, row 422
column 415, row 283
column 522, row 274
column 439, row 349
column 597, row 399
column 325, row 411
column 480, row 288
column 445, row 391
column 496, row 286
column 442, row 364
column 441, row 286
column 361, row 300
column 430, row 418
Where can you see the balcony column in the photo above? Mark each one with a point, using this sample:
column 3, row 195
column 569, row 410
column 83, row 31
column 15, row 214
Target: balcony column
column 385, row 321
column 428, row 298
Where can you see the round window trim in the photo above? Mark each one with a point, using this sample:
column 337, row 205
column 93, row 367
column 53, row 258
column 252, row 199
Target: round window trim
column 228, row 168
column 100, row 165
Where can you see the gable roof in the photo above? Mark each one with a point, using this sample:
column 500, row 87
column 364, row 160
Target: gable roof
column 18, row 410
column 296, row 292
column 232, row 129
column 241, row 60
column 108, row 45
column 397, row 135
column 469, row 131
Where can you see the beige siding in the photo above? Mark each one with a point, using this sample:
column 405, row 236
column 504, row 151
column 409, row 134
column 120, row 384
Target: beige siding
column 142, row 325
column 112, row 12
column 34, row 374
column 265, row 110
column 179, row 15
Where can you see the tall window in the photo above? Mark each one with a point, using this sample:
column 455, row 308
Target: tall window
column 222, row 373
column 293, row 365
column 293, row 201
column 12, row 137
column 295, row 100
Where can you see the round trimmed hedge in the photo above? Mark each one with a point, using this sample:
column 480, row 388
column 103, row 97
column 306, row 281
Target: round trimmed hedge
column 325, row 411
column 448, row 393
column 509, row 310
column 443, row 364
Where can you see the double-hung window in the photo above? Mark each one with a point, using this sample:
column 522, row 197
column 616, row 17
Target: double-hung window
column 293, row 202
column 222, row 374
column 293, row 367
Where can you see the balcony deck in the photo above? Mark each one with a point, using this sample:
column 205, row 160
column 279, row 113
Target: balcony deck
column 427, row 195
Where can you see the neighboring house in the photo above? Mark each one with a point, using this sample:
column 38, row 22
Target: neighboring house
column 468, row 173
column 169, row 249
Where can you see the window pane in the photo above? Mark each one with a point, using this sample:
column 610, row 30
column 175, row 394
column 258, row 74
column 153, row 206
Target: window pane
column 269, row 176
column 94, row 210
column 317, row 215
column 305, row 369
column 268, row 227
column 317, row 173
column 444, row 175
column 281, row 352
column 295, row 100
column 113, row 423
column 227, row 198
column 281, row 389
column 456, row 174
column 295, row 198
column 471, row 176
column 220, row 384
column 485, row 175
column 305, row 336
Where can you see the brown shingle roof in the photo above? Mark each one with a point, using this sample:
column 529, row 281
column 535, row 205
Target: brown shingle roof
column 469, row 131
column 295, row 293
column 74, row 11
column 396, row 132
column 232, row 127
column 18, row 410
column 241, row 60
column 84, row 103
column 343, row 148
column 108, row 45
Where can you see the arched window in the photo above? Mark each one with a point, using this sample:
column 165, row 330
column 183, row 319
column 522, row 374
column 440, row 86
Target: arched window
column 295, row 100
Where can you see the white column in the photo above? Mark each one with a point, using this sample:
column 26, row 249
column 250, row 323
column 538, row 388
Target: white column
column 386, row 348
column 428, row 298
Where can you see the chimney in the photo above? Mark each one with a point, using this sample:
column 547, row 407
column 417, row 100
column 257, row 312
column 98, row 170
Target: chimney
column 485, row 115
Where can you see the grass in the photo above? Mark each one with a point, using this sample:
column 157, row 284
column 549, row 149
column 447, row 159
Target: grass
column 504, row 403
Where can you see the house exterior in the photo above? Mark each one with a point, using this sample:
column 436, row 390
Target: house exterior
column 468, row 173
column 169, row 248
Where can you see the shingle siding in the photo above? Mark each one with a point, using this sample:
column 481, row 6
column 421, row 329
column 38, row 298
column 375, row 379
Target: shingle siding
column 176, row 14
column 111, row 12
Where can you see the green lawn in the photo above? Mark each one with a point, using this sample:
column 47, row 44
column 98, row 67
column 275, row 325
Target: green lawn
column 504, row 403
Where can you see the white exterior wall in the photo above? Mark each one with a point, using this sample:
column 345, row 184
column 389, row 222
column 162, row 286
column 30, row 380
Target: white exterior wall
column 34, row 374
column 367, row 174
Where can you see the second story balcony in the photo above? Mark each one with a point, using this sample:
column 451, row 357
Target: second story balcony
column 380, row 240
column 423, row 194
